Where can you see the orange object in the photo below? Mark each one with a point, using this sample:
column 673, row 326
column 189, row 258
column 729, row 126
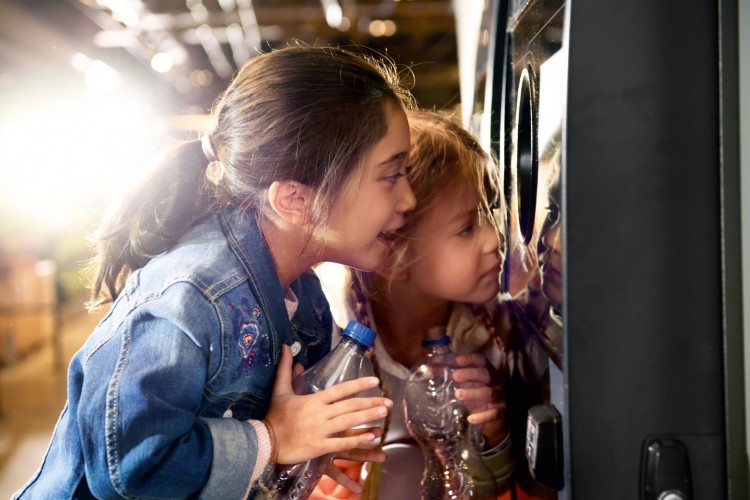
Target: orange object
column 330, row 489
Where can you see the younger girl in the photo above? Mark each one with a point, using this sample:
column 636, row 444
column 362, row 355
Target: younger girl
column 447, row 257
column 183, row 390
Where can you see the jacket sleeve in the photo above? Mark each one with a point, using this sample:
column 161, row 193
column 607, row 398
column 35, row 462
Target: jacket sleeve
column 500, row 461
column 151, row 442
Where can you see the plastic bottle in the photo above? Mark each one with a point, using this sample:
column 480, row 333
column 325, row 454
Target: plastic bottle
column 345, row 362
column 454, row 469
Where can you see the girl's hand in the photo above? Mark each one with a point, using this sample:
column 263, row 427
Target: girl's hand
column 479, row 388
column 315, row 424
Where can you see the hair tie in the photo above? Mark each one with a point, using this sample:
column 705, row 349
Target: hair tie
column 208, row 149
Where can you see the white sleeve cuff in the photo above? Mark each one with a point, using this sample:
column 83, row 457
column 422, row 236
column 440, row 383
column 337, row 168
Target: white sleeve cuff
column 264, row 451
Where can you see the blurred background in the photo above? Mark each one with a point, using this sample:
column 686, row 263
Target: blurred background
column 91, row 91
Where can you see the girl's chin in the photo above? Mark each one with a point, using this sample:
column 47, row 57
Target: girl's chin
column 477, row 297
column 365, row 259
column 554, row 295
column 364, row 266
column 491, row 294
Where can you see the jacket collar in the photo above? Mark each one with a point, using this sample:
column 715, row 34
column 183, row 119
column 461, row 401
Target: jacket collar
column 245, row 239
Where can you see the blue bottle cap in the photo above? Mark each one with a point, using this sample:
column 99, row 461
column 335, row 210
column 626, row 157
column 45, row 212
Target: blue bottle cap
column 360, row 333
column 438, row 341
column 435, row 336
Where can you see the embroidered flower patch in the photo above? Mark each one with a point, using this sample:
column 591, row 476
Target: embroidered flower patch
column 248, row 336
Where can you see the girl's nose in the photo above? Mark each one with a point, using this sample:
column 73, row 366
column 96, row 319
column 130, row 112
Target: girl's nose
column 490, row 238
column 408, row 201
column 551, row 239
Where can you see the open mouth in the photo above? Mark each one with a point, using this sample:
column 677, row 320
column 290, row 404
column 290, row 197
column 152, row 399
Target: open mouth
column 551, row 271
column 386, row 236
column 495, row 271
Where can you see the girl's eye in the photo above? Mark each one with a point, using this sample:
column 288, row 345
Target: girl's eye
column 466, row 230
column 553, row 213
column 393, row 178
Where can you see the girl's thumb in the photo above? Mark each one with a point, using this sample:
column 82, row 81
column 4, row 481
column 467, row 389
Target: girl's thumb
column 283, row 383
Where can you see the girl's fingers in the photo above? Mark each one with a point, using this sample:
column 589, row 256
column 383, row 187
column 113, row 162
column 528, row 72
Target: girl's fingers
column 476, row 359
column 353, row 405
column 283, row 384
column 346, row 421
column 342, row 444
column 363, row 455
column 472, row 374
column 475, row 406
column 484, row 417
column 484, row 393
column 346, row 389
column 378, row 431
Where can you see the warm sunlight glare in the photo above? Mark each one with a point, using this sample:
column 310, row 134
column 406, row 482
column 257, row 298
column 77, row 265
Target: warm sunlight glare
column 62, row 155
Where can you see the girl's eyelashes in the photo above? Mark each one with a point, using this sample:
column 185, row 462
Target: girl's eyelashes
column 393, row 178
column 474, row 219
column 466, row 230
column 553, row 213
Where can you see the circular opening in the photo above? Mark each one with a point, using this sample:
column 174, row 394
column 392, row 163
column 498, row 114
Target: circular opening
column 527, row 155
column 504, row 124
column 505, row 144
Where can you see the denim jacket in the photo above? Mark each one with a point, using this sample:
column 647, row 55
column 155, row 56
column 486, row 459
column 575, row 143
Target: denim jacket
column 194, row 337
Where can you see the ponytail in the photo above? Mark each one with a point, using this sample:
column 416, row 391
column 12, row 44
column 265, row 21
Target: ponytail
column 150, row 219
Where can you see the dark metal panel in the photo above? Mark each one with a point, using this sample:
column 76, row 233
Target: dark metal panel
column 643, row 242
column 737, row 462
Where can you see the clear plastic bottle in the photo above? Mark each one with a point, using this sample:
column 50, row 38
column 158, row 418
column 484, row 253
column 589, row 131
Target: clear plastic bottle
column 345, row 362
column 454, row 469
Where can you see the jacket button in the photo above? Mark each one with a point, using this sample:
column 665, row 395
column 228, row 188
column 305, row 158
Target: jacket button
column 296, row 348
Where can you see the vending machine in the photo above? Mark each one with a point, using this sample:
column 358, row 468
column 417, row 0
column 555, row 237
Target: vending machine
column 616, row 129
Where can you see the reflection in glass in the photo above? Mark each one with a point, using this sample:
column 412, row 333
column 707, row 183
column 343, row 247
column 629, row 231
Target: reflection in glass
column 532, row 146
column 518, row 108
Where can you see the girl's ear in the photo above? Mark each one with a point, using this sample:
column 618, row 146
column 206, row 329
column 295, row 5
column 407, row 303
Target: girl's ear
column 291, row 201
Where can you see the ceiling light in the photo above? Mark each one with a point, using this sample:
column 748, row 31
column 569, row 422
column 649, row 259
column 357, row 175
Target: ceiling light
column 98, row 75
column 201, row 78
column 227, row 5
column 126, row 11
column 333, row 12
column 162, row 62
column 379, row 27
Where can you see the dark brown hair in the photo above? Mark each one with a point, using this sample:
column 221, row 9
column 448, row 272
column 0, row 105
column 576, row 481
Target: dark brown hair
column 306, row 114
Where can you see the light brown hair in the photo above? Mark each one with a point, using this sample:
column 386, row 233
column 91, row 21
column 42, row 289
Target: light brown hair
column 444, row 156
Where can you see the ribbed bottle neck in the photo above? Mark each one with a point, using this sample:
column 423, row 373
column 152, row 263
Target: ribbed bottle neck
column 435, row 341
column 437, row 350
column 348, row 343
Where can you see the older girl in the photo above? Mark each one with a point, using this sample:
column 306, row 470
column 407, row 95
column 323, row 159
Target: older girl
column 183, row 390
